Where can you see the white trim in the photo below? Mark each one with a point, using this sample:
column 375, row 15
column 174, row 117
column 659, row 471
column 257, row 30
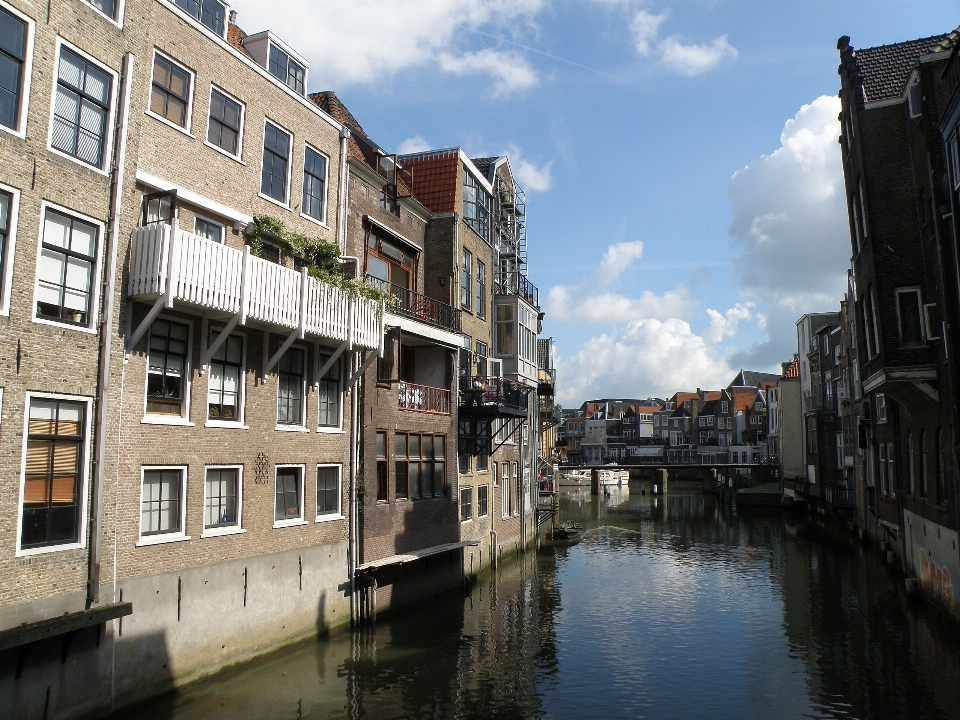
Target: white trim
column 192, row 198
column 184, row 417
column 460, row 504
column 228, row 424
column 373, row 221
column 226, row 529
column 93, row 312
column 21, row 130
column 118, row 21
column 249, row 62
column 290, row 522
column 327, row 517
column 314, row 221
column 289, row 181
column 268, row 35
column 223, row 236
column 104, row 169
column 242, row 400
column 243, row 116
column 326, row 184
column 322, row 350
column 185, row 129
column 84, row 473
column 10, row 251
column 292, row 428
column 159, row 538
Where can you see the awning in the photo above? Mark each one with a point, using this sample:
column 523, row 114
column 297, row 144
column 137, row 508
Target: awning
column 414, row 555
column 393, row 233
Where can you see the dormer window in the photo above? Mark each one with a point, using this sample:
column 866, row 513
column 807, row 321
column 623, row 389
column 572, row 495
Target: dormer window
column 210, row 13
column 287, row 70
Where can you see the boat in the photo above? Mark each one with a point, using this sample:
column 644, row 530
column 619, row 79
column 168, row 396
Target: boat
column 617, row 478
column 567, row 531
column 575, row 478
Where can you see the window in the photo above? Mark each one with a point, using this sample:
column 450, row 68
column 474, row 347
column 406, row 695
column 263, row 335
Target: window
column 505, row 490
column 314, row 183
column 170, row 92
column 53, row 473
column 225, row 124
column 389, row 263
column 166, row 368
column 329, row 395
column 481, row 289
column 464, row 463
column 870, row 324
column 482, row 491
column 289, row 496
column 276, row 162
column 924, row 463
column 515, row 490
column 8, row 212
column 506, row 334
column 419, row 465
column 909, row 316
column 226, row 381
column 382, row 467
column 107, row 7
column 481, row 358
column 209, row 12
column 291, row 387
column 466, row 504
column 914, row 100
column 401, row 465
column 476, row 205
column 65, row 272
column 938, row 468
column 465, row 279
column 81, row 109
column 911, row 469
column 208, row 229
column 287, row 70
column 496, row 475
column 221, row 502
column 161, row 502
column 880, row 402
column 328, row 491
column 482, row 462
column 13, row 58
column 891, row 471
column 954, row 160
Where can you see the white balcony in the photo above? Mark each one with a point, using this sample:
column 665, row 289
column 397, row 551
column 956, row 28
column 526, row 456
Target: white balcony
column 197, row 272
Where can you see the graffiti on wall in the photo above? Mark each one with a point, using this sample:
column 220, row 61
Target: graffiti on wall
column 936, row 579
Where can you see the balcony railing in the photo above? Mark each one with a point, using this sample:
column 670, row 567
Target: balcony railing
column 202, row 273
column 423, row 398
column 419, row 307
column 493, row 395
column 838, row 496
column 516, row 283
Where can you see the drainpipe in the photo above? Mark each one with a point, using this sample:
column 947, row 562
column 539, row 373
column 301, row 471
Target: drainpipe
column 353, row 550
column 342, row 197
column 108, row 289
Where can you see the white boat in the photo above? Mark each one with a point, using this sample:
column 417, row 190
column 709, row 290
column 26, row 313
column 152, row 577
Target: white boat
column 615, row 478
column 575, row 478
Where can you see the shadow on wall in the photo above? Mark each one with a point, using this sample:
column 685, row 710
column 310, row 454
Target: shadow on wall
column 71, row 676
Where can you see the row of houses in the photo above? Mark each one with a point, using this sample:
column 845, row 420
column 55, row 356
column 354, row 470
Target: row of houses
column 874, row 385
column 260, row 375
column 705, row 426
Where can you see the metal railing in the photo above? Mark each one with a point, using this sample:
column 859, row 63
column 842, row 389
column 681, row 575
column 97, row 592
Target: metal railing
column 514, row 282
column 838, row 496
column 423, row 398
column 419, row 307
column 492, row 392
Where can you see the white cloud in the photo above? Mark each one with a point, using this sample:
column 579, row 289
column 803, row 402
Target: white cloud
column 648, row 357
column 725, row 325
column 575, row 304
column 366, row 41
column 415, row 144
column 617, row 259
column 531, row 177
column 789, row 218
column 674, row 52
column 645, row 27
column 693, row 59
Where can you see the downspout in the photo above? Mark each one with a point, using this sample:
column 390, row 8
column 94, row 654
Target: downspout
column 108, row 288
column 353, row 550
column 342, row 206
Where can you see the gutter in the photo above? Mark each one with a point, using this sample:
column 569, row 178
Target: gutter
column 106, row 339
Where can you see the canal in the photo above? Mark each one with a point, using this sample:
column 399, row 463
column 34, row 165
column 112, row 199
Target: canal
column 668, row 607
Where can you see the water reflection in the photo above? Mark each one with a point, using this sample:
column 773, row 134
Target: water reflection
column 668, row 607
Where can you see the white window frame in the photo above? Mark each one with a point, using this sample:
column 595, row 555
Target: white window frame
column 243, row 116
column 302, row 427
column 328, row 517
column 210, row 221
column 239, row 423
column 487, row 511
column 118, row 20
column 190, row 93
column 290, row 522
column 21, row 130
column 319, row 352
column 238, row 529
column 517, row 485
column 10, row 250
column 94, row 314
column 84, row 473
column 163, row 538
column 326, row 188
column 155, row 418
column 469, row 489
column 260, row 193
column 880, row 407
column 953, row 154
column 111, row 115
column 506, row 481
column 920, row 313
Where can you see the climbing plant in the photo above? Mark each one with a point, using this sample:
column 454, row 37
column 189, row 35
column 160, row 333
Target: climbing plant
column 322, row 258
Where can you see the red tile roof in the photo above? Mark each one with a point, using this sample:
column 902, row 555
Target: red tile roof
column 435, row 180
column 794, row 370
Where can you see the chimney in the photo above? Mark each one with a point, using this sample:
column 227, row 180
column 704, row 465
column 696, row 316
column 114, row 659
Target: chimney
column 233, row 17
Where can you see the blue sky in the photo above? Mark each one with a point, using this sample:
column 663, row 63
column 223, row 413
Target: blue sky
column 684, row 188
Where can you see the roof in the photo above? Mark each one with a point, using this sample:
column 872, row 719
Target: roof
column 483, row 164
column 235, row 37
column 748, row 378
column 710, row 395
column 681, row 397
column 435, row 178
column 885, row 69
column 794, row 370
column 334, row 107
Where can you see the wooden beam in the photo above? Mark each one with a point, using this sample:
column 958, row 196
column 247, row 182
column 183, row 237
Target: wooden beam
column 68, row 622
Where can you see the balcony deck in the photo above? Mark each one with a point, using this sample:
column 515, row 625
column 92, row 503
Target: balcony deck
column 197, row 272
column 492, row 396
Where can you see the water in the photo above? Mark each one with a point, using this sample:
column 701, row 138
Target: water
column 671, row 607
